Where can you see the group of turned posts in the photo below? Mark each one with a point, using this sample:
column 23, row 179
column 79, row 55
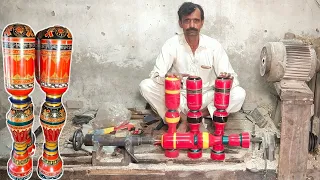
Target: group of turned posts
column 46, row 56
column 194, row 140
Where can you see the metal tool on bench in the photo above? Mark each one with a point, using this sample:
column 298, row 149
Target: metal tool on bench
column 108, row 137
column 127, row 126
column 77, row 139
column 125, row 143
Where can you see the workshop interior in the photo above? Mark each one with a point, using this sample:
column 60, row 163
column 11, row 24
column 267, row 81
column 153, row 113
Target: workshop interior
column 71, row 105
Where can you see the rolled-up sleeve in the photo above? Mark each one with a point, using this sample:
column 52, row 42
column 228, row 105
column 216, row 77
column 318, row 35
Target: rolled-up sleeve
column 222, row 64
column 163, row 64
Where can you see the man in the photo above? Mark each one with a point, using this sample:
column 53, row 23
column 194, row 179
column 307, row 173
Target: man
column 191, row 53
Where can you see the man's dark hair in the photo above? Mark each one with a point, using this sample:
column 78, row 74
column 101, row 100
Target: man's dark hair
column 187, row 8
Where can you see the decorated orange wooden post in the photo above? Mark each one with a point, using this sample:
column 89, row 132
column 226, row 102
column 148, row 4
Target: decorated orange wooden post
column 39, row 36
column 18, row 42
column 55, row 54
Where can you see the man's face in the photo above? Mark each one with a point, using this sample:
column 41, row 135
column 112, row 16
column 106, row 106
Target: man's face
column 192, row 23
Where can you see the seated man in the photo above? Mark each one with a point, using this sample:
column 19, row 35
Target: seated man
column 191, row 53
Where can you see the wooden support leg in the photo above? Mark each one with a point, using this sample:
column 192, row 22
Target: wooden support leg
column 294, row 140
column 296, row 104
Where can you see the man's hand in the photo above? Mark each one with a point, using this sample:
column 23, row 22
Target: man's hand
column 177, row 75
column 226, row 75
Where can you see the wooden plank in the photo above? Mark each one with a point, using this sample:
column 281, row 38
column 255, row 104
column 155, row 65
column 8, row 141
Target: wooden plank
column 235, row 155
column 147, row 172
column 132, row 172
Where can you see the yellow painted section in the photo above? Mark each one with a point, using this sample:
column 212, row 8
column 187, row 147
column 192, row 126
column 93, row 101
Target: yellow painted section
column 172, row 91
column 162, row 141
column 205, row 139
column 108, row 130
column 50, row 153
column 172, row 79
column 20, row 105
column 54, row 96
column 172, row 120
column 20, row 146
column 105, row 130
column 51, row 145
column 174, row 140
column 19, row 97
column 54, row 105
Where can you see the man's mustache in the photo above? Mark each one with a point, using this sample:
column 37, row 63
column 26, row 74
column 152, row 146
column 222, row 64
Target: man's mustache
column 192, row 29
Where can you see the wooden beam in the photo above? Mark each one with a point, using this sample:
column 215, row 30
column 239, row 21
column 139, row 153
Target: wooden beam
column 296, row 114
column 317, row 102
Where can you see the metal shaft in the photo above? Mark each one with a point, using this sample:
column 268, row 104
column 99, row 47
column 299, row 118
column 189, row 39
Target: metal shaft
column 111, row 140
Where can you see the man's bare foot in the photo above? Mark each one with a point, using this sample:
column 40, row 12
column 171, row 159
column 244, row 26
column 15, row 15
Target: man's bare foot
column 183, row 124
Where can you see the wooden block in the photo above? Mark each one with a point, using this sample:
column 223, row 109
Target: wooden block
column 294, row 90
column 260, row 115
